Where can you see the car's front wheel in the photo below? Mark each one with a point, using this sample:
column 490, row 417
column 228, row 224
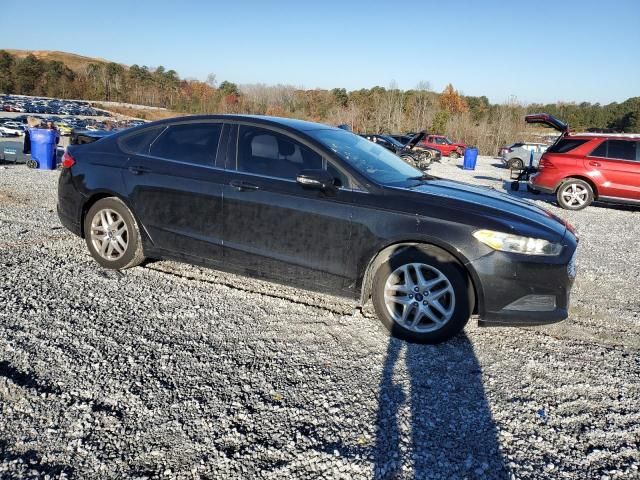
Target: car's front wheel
column 410, row 159
column 574, row 194
column 422, row 297
column 112, row 234
column 454, row 155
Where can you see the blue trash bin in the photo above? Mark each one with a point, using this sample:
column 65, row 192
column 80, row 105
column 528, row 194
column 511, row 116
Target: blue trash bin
column 43, row 147
column 470, row 158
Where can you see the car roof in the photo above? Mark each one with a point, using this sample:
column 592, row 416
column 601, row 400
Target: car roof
column 285, row 122
column 590, row 135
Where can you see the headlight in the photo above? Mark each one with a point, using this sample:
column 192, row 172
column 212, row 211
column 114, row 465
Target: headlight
column 507, row 242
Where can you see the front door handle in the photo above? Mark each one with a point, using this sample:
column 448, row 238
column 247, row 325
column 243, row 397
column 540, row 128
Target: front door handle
column 138, row 169
column 242, row 186
column 594, row 164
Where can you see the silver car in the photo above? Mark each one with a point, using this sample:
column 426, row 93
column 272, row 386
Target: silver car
column 519, row 154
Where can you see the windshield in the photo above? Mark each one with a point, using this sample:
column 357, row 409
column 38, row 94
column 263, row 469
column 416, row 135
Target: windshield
column 373, row 161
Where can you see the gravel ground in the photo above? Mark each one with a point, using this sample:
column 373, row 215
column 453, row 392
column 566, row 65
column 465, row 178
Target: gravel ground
column 174, row 371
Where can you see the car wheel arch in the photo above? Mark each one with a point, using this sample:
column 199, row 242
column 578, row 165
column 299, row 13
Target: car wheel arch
column 387, row 252
column 95, row 197
column 593, row 186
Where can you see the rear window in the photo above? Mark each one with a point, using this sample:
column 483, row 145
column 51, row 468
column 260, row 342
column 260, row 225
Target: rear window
column 138, row 142
column 565, row 145
column 190, row 142
column 617, row 149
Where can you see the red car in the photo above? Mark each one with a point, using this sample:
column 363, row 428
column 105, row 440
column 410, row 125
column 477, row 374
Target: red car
column 581, row 168
column 445, row 146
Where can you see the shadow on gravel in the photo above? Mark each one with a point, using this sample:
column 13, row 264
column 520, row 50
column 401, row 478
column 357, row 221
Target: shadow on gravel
column 438, row 423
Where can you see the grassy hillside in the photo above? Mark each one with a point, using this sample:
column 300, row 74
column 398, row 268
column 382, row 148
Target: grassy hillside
column 73, row 61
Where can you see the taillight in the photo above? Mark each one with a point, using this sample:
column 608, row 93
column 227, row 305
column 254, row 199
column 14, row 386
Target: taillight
column 67, row 160
column 546, row 163
column 509, row 150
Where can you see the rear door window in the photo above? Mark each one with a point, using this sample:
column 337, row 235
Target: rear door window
column 617, row 150
column 268, row 153
column 600, row 151
column 195, row 143
column 621, row 149
column 566, row 145
column 138, row 142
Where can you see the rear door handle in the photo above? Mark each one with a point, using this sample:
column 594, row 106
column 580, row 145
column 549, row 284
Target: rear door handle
column 594, row 164
column 242, row 186
column 138, row 169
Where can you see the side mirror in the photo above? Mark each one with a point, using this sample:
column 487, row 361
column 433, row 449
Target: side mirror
column 316, row 179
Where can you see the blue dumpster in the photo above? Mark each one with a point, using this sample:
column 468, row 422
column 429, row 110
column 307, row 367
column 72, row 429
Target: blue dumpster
column 43, row 148
column 470, row 158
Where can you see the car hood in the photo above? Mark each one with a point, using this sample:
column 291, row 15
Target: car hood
column 417, row 138
column 487, row 201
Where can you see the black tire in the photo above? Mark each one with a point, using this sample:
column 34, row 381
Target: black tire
column 515, row 163
column 454, row 155
column 515, row 186
column 461, row 300
column 409, row 159
column 32, row 163
column 132, row 253
column 581, row 197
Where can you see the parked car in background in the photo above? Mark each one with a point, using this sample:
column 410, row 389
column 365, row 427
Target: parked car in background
column 11, row 130
column 318, row 207
column 518, row 155
column 582, row 167
column 409, row 152
column 430, row 154
column 64, row 129
column 445, row 146
column 19, row 103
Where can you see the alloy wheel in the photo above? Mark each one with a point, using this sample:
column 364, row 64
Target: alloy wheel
column 575, row 195
column 419, row 297
column 109, row 234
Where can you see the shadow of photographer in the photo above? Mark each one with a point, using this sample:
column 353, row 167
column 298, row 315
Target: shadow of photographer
column 434, row 419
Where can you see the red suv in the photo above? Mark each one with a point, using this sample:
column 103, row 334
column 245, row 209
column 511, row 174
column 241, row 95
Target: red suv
column 445, row 146
column 582, row 167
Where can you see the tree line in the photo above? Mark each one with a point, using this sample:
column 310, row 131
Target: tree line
column 473, row 120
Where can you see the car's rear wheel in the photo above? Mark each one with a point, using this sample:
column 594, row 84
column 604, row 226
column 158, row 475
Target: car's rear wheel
column 516, row 164
column 574, row 194
column 422, row 297
column 112, row 235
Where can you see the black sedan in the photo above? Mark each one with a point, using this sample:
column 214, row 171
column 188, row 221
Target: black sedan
column 318, row 207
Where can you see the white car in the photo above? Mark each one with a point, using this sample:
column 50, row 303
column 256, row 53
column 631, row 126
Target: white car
column 11, row 130
column 518, row 155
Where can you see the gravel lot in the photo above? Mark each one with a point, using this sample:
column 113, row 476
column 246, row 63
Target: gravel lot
column 174, row 371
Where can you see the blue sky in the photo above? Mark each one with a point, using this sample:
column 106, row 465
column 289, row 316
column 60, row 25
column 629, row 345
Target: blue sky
column 537, row 51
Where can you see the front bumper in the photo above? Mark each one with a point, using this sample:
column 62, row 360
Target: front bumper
column 526, row 290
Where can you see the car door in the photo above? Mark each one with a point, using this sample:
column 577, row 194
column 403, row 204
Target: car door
column 276, row 227
column 176, row 191
column 618, row 162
